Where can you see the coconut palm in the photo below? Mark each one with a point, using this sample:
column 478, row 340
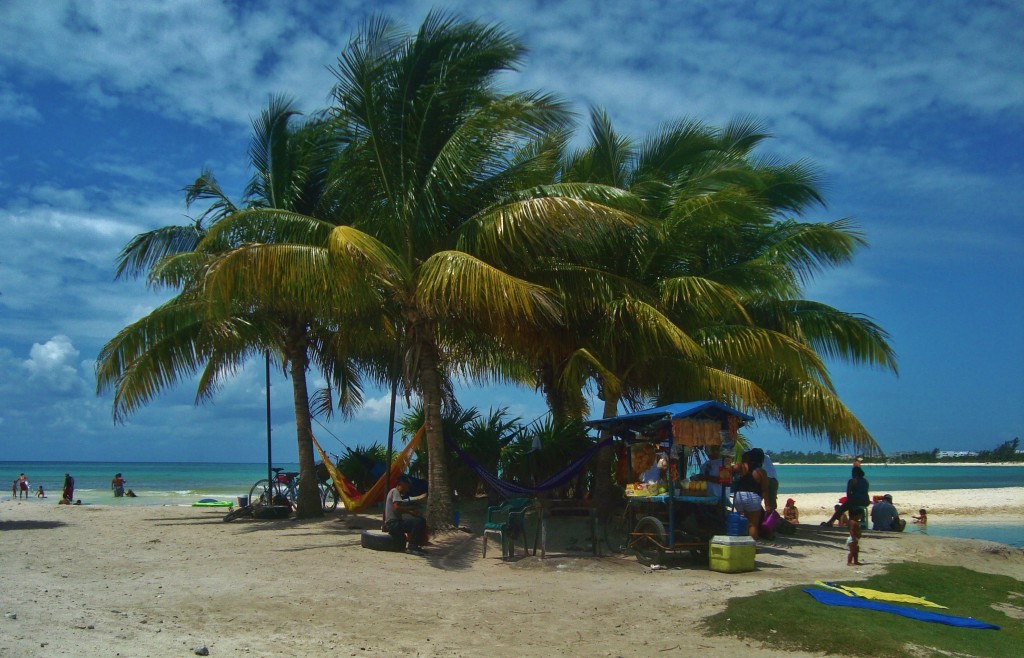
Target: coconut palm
column 214, row 329
column 702, row 300
column 440, row 186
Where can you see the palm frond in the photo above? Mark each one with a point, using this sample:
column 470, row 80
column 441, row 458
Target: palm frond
column 456, row 284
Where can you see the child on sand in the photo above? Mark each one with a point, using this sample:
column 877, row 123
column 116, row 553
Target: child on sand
column 40, row 493
column 923, row 518
column 856, row 515
column 790, row 511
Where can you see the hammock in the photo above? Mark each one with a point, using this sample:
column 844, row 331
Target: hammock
column 356, row 502
column 513, row 490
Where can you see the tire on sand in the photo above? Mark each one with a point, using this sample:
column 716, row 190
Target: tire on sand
column 376, row 540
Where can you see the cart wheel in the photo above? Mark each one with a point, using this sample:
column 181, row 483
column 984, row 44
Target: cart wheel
column 649, row 540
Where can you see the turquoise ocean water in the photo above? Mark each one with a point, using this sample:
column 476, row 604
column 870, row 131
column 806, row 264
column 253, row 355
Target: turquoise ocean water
column 185, row 483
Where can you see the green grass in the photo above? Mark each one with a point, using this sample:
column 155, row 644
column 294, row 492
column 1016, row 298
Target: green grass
column 791, row 619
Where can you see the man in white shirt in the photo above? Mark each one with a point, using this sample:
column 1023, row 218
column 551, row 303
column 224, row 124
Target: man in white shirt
column 711, row 470
column 402, row 516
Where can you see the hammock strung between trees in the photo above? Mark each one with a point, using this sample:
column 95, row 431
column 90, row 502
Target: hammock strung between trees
column 356, row 502
column 511, row 489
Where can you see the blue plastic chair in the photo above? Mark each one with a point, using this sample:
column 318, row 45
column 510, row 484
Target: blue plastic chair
column 508, row 521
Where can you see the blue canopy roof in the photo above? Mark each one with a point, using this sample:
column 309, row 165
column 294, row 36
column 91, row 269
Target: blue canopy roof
column 674, row 411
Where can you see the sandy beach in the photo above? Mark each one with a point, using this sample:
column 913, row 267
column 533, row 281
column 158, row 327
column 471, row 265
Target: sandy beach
column 163, row 581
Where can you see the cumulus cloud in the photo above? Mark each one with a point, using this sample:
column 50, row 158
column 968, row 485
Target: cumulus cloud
column 52, row 366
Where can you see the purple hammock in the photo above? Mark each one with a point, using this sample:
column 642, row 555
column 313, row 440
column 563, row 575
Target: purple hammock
column 513, row 490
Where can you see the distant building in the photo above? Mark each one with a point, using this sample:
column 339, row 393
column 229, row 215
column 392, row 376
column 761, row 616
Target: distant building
column 956, row 453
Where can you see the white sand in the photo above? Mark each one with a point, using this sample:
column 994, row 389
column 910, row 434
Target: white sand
column 148, row 581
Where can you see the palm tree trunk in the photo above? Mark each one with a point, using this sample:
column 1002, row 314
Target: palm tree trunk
column 308, row 503
column 603, row 463
column 439, row 499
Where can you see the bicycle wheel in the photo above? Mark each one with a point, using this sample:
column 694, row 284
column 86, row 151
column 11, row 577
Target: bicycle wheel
column 649, row 540
column 328, row 497
column 260, row 494
column 616, row 531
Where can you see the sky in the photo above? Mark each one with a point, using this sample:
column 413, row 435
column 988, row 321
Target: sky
column 912, row 111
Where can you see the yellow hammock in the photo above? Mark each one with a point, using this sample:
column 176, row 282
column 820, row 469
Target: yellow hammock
column 358, row 502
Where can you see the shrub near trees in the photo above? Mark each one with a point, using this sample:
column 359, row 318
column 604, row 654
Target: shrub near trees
column 429, row 209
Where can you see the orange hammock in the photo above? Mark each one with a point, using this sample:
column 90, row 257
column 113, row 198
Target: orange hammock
column 350, row 496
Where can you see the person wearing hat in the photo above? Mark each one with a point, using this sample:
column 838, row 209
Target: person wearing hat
column 402, row 517
column 885, row 517
column 790, row 511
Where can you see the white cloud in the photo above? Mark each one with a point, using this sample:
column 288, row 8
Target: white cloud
column 51, row 366
column 378, row 408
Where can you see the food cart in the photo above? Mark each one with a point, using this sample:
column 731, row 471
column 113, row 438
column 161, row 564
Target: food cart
column 668, row 518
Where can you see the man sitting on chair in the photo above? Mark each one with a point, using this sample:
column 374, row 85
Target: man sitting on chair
column 402, row 515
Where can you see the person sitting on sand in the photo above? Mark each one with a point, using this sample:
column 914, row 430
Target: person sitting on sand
column 402, row 516
column 40, row 493
column 856, row 495
column 841, row 517
column 884, row 516
column 922, row 517
column 790, row 511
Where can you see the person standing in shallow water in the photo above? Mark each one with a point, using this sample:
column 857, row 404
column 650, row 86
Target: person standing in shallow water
column 117, row 484
column 23, row 486
column 69, row 489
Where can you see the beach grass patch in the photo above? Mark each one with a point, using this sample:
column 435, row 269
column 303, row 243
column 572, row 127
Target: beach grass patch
column 790, row 619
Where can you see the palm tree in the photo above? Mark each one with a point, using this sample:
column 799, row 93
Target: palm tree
column 440, row 182
column 218, row 321
column 702, row 299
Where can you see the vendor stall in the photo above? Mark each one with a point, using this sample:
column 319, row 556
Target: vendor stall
column 659, row 449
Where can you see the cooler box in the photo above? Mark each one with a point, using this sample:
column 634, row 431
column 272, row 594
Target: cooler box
column 732, row 554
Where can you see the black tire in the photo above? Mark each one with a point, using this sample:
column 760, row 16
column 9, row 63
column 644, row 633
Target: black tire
column 328, row 497
column 376, row 540
column 648, row 541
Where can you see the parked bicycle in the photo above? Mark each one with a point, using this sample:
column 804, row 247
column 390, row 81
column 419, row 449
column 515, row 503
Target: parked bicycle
column 283, row 490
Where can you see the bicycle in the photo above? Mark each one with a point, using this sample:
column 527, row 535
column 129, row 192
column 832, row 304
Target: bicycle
column 284, row 490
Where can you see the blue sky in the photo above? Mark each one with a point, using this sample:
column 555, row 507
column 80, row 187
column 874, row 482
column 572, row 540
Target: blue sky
column 914, row 113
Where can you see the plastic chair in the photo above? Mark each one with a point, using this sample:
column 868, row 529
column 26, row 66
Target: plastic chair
column 508, row 521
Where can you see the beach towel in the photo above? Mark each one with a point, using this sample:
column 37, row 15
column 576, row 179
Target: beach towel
column 836, row 598
column 878, row 595
column 355, row 501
